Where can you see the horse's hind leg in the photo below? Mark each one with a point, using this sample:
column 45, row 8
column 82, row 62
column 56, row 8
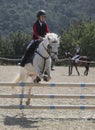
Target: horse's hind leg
column 29, row 92
column 86, row 71
column 70, row 69
column 22, row 76
column 29, row 96
column 22, row 92
column 77, row 70
column 17, row 79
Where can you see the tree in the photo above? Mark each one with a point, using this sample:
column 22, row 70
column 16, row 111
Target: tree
column 82, row 33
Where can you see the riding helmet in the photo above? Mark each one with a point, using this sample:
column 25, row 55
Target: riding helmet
column 41, row 13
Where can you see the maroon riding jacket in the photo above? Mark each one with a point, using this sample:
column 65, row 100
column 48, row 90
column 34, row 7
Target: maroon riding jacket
column 40, row 29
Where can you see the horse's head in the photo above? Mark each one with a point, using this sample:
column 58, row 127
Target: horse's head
column 53, row 44
column 68, row 54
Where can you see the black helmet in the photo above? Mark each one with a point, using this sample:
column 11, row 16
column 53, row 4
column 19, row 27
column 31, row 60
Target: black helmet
column 41, row 12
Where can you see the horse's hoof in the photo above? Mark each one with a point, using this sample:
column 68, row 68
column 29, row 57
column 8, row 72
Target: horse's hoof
column 52, row 69
column 27, row 102
column 45, row 73
column 85, row 73
column 20, row 102
column 45, row 78
column 37, row 80
column 12, row 87
column 69, row 74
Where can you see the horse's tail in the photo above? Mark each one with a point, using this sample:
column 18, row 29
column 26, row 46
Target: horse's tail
column 87, row 67
column 88, row 63
column 17, row 79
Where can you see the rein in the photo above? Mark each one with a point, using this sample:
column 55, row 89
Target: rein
column 46, row 49
column 45, row 58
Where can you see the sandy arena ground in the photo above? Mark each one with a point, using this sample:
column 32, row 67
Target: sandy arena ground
column 49, row 119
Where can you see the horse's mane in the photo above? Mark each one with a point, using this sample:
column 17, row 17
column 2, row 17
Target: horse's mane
column 53, row 37
column 51, row 34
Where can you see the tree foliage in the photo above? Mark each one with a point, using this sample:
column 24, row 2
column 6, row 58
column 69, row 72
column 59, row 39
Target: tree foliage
column 19, row 15
column 72, row 19
column 82, row 33
column 14, row 45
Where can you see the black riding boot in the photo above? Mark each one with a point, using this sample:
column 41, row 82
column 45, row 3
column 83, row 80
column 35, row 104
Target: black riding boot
column 29, row 52
column 24, row 59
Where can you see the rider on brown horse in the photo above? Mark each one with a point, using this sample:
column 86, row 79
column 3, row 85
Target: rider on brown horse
column 77, row 54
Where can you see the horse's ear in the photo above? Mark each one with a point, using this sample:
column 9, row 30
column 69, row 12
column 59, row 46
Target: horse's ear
column 59, row 37
column 49, row 38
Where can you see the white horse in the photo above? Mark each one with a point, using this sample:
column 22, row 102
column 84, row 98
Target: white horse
column 54, row 56
column 41, row 62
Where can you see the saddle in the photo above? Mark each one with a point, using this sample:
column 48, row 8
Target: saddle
column 29, row 54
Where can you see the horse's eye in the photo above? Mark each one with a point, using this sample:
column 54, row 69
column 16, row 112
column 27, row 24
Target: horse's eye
column 53, row 41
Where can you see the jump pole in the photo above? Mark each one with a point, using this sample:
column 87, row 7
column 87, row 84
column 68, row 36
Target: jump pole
column 80, row 107
column 55, row 84
column 50, row 96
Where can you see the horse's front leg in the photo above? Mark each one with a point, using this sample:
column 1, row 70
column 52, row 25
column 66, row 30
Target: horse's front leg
column 70, row 68
column 39, row 75
column 47, row 77
column 69, row 71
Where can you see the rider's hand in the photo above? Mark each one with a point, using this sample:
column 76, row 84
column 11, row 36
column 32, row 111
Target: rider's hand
column 41, row 38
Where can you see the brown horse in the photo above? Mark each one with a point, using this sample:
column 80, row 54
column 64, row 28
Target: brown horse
column 83, row 61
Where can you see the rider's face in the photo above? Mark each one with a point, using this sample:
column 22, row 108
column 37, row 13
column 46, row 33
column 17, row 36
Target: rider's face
column 42, row 18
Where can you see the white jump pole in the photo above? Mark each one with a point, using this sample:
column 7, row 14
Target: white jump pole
column 55, row 84
column 51, row 96
column 81, row 107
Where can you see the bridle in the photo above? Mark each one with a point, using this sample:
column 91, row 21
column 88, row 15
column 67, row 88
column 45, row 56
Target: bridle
column 45, row 58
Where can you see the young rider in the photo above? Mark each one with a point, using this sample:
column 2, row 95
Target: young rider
column 40, row 28
column 77, row 54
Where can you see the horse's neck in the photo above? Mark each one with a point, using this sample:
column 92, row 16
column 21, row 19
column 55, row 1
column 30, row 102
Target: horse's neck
column 42, row 49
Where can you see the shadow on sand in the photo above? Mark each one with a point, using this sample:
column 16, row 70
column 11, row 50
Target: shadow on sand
column 21, row 121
